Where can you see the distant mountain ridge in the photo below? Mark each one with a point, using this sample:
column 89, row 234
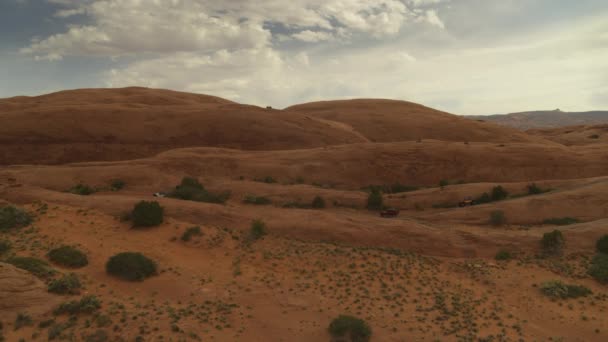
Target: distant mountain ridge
column 545, row 119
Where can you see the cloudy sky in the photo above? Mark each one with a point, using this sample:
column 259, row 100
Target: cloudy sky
column 462, row 56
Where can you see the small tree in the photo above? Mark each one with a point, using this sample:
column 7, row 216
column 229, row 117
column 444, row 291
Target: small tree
column 602, row 244
column 599, row 268
column 553, row 242
column 82, row 189
column 349, row 328
column 147, row 214
column 318, row 202
column 131, row 266
column 117, row 184
column 374, row 200
column 533, row 189
column 499, row 193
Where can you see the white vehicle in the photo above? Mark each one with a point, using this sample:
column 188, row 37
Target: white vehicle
column 160, row 194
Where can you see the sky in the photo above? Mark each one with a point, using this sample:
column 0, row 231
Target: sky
column 460, row 56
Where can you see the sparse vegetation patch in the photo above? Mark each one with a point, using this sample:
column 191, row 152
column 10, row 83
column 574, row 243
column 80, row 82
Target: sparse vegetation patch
column 257, row 200
column 35, row 266
column 318, row 202
column 503, row 255
column 13, row 217
column 67, row 284
column 374, row 200
column 599, row 268
column 558, row 290
column 552, row 242
column 257, row 230
column 561, row 221
column 87, row 304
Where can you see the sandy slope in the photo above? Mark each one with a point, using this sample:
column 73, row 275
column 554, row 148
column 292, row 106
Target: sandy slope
column 389, row 120
column 574, row 135
column 111, row 124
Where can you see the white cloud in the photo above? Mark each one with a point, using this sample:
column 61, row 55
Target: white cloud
column 312, row 36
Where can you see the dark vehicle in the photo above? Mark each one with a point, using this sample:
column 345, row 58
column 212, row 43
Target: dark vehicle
column 467, row 201
column 390, row 212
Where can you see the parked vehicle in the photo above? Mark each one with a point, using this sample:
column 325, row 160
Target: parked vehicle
column 467, row 201
column 389, row 212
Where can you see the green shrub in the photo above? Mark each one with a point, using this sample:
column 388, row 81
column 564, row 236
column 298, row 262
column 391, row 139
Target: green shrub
column 68, row 256
column 68, row 284
column 443, row 183
column 99, row 335
column 117, row 184
column 190, row 232
column 374, row 200
column 533, row 189
column 601, row 245
column 599, row 268
column 131, row 266
column 318, row 202
column 257, row 200
column 5, row 246
column 296, row 204
column 390, row 188
column 553, row 242
column 87, row 304
column 13, row 217
column 497, row 218
column 561, row 221
column 499, row 193
column 257, row 230
column 191, row 190
column 594, row 136
column 558, row 290
column 267, row 179
column 147, row 214
column 350, row 328
column 23, row 320
column 82, row 189
column 484, row 198
column 35, row 266
column 503, row 255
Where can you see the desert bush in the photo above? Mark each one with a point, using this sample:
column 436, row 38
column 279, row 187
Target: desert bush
column 391, row 188
column 503, row 255
column 558, row 290
column 257, row 200
column 147, row 214
column 13, row 217
column 82, row 189
column 553, row 242
column 533, row 189
column 87, row 304
column 68, row 256
column 191, row 190
column 561, row 221
column 598, row 268
column 484, row 198
column 99, row 335
column 443, row 183
column 67, row 284
column 296, row 204
column 131, row 266
column 190, row 232
column 117, row 184
column 23, row 320
column 601, row 245
column 318, row 202
column 267, row 179
column 499, row 193
column 594, row 136
column 350, row 328
column 497, row 218
column 374, row 200
column 257, row 230
column 35, row 266
column 5, row 246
